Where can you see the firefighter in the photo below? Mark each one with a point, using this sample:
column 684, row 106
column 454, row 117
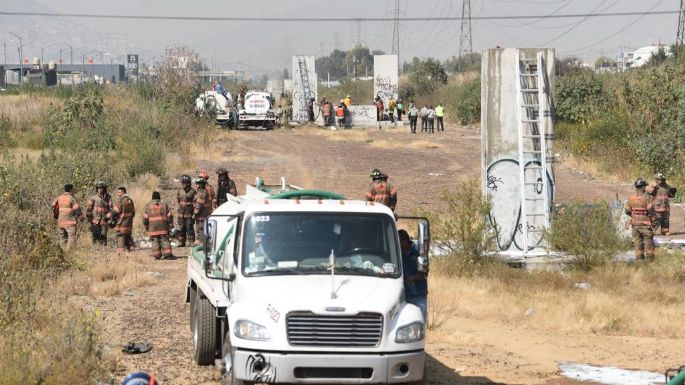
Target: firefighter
column 185, row 198
column 67, row 211
column 392, row 104
column 310, row 109
column 326, row 107
column 661, row 193
column 210, row 189
column 124, row 211
column 340, row 113
column 380, row 191
column 201, row 209
column 225, row 185
column 99, row 205
column 157, row 219
column 641, row 212
column 347, row 101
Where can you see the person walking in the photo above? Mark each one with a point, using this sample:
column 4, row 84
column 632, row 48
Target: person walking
column 423, row 114
column 67, row 211
column 99, row 205
column 201, row 210
column 157, row 219
column 661, row 194
column 415, row 281
column 124, row 211
column 185, row 198
column 641, row 212
column 380, row 191
column 431, row 119
column 225, row 185
column 210, row 189
column 413, row 114
column 439, row 115
column 400, row 110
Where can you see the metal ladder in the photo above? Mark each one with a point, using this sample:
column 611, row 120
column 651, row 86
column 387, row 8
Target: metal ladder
column 304, row 78
column 532, row 109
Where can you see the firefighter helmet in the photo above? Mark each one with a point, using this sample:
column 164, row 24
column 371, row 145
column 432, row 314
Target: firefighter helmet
column 200, row 181
column 660, row 176
column 377, row 174
column 100, row 184
column 640, row 183
column 221, row 170
column 203, row 174
column 185, row 179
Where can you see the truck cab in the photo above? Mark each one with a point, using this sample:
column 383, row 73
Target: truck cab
column 257, row 112
column 304, row 286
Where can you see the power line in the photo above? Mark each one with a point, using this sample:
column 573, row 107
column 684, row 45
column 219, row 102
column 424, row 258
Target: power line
column 577, row 24
column 333, row 19
column 680, row 37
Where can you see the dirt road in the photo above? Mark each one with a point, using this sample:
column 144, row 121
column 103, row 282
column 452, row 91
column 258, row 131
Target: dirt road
column 421, row 166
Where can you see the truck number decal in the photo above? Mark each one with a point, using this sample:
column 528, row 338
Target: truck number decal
column 273, row 313
column 262, row 218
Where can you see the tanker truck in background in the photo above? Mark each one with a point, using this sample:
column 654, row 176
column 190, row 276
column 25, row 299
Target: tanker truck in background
column 257, row 111
column 219, row 105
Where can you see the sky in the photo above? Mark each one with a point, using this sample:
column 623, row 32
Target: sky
column 267, row 47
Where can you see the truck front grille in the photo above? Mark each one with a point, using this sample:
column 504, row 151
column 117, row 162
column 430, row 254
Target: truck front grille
column 307, row 329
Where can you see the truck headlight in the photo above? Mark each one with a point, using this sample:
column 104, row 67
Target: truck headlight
column 251, row 331
column 410, row 333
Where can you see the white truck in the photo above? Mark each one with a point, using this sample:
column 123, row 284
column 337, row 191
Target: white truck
column 304, row 286
column 219, row 105
column 257, row 111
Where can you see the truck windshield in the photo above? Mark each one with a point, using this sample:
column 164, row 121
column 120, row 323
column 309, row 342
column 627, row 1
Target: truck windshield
column 278, row 243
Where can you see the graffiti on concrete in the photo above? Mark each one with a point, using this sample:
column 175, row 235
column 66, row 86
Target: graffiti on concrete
column 503, row 181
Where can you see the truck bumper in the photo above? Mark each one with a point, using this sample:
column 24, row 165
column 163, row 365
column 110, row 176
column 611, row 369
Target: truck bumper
column 331, row 368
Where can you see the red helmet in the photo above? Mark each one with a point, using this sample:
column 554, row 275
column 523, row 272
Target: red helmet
column 203, row 174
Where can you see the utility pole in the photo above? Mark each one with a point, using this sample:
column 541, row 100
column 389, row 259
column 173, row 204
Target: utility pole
column 358, row 33
column 680, row 39
column 396, row 34
column 465, row 42
column 21, row 57
column 336, row 39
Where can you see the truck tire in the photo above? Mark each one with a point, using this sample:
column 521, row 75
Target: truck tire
column 204, row 334
column 192, row 298
column 227, row 374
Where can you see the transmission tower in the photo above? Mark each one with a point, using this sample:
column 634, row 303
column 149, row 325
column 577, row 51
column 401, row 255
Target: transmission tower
column 396, row 33
column 680, row 39
column 358, row 33
column 466, row 42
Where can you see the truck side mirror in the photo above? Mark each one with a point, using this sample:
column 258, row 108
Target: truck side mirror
column 424, row 240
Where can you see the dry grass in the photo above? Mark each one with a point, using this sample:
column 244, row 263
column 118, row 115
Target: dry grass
column 594, row 168
column 623, row 300
column 26, row 111
column 353, row 135
column 105, row 274
column 416, row 145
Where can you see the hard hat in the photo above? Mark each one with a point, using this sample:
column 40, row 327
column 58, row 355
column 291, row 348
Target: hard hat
column 660, row 176
column 376, row 174
column 185, row 179
column 221, row 170
column 200, row 181
column 342, row 101
column 139, row 378
column 348, row 96
column 100, row 184
column 640, row 183
column 203, row 174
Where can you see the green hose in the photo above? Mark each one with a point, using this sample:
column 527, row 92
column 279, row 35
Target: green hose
column 678, row 380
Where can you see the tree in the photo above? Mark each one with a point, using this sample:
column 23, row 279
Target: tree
column 466, row 63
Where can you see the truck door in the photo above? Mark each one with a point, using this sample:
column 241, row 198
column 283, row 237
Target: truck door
column 226, row 252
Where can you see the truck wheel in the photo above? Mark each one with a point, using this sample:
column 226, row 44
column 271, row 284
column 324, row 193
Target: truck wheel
column 204, row 334
column 227, row 362
column 193, row 298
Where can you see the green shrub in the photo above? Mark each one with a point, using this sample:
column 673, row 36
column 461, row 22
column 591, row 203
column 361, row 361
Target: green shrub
column 468, row 102
column 462, row 230
column 587, row 232
column 579, row 96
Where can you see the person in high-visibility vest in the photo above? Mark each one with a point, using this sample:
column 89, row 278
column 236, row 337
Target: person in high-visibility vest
column 340, row 114
column 348, row 101
column 439, row 114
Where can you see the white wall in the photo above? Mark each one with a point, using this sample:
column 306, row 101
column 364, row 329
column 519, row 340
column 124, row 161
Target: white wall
column 385, row 77
column 299, row 98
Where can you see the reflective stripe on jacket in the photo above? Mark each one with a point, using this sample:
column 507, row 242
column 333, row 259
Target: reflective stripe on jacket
column 640, row 209
column 156, row 218
column 69, row 210
column 185, row 201
column 126, row 211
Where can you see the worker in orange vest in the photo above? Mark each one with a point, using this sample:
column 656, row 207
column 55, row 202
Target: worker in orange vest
column 67, row 211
